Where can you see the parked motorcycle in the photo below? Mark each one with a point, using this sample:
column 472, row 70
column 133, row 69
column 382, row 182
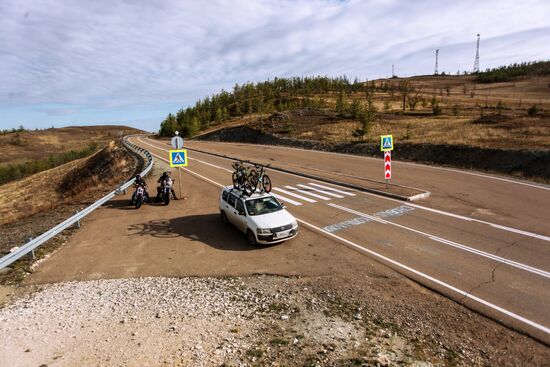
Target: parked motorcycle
column 164, row 191
column 139, row 196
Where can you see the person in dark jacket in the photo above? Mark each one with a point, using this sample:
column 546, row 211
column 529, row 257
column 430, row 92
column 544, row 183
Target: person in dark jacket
column 165, row 179
column 140, row 181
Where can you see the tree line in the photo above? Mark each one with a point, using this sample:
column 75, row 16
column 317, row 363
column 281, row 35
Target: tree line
column 12, row 172
column 279, row 94
column 510, row 72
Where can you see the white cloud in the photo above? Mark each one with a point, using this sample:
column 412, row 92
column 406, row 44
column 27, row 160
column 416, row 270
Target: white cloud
column 121, row 54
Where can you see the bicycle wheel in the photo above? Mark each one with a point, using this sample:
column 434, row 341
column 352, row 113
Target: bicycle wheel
column 266, row 183
column 247, row 188
column 235, row 179
column 253, row 179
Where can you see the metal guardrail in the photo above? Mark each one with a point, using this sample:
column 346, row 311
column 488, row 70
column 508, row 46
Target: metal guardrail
column 30, row 246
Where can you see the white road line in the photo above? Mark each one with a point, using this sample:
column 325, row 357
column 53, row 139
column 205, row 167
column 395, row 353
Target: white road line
column 209, row 164
column 408, row 268
column 286, row 200
column 321, row 191
column 308, row 193
column 434, row 280
column 333, row 189
column 457, row 216
column 512, row 263
column 286, row 192
column 468, row 219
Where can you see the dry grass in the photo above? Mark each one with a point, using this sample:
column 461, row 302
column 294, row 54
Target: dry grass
column 463, row 104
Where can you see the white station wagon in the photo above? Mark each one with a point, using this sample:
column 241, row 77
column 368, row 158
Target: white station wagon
column 260, row 216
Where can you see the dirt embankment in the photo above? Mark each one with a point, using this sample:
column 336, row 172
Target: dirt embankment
column 30, row 206
column 522, row 163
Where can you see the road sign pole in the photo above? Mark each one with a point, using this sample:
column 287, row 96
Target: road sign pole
column 387, row 168
column 179, row 181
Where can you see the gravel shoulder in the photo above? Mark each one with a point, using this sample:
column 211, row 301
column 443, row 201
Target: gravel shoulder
column 248, row 321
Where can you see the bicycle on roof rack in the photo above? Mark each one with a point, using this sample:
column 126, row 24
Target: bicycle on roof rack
column 258, row 179
column 241, row 178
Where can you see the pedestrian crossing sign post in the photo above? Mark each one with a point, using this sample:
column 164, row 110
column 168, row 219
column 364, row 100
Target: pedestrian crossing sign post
column 386, row 143
column 178, row 158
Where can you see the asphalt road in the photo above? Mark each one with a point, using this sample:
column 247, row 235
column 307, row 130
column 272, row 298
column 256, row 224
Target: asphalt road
column 481, row 240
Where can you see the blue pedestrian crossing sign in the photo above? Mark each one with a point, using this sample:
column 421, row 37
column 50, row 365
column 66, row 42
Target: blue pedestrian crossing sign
column 386, row 143
column 178, row 158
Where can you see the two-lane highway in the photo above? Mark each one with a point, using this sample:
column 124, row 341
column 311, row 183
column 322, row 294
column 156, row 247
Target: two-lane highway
column 500, row 270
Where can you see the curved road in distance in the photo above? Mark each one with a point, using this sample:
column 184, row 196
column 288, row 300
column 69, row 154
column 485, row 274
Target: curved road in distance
column 481, row 240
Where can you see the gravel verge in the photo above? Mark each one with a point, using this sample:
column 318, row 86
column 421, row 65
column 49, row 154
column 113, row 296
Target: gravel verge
column 193, row 322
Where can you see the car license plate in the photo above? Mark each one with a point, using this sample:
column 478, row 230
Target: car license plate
column 282, row 234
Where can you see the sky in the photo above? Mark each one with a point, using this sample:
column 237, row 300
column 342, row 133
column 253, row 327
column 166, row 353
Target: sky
column 131, row 62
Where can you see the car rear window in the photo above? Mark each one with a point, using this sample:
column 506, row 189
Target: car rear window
column 225, row 194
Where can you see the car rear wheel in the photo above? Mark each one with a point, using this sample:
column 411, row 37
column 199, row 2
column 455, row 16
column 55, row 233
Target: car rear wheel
column 251, row 238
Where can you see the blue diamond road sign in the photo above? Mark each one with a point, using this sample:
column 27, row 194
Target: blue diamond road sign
column 178, row 158
column 386, row 143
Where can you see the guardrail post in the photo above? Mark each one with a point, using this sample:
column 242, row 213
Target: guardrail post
column 78, row 221
column 31, row 254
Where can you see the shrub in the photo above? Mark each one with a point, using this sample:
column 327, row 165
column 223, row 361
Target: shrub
column 456, row 110
column 533, row 110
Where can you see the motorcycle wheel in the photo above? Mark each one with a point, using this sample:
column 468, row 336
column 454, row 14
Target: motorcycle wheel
column 167, row 199
column 139, row 201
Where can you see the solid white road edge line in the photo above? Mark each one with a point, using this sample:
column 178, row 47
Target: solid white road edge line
column 405, row 267
column 447, row 242
column 457, row 216
column 432, row 279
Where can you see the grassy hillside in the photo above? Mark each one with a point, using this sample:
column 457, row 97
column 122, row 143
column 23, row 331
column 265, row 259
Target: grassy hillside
column 29, row 145
column 458, row 110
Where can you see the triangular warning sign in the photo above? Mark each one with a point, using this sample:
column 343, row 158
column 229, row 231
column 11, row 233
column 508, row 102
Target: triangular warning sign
column 387, row 143
column 178, row 159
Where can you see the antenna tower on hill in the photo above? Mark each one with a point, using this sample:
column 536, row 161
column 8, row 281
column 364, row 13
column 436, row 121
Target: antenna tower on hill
column 476, row 62
column 436, row 59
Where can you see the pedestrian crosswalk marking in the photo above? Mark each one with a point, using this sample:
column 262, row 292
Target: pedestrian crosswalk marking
column 300, row 193
column 286, row 200
column 307, row 193
column 333, row 189
column 286, row 192
column 325, row 192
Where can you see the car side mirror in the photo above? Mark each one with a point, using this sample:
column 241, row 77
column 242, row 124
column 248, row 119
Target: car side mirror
column 242, row 213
